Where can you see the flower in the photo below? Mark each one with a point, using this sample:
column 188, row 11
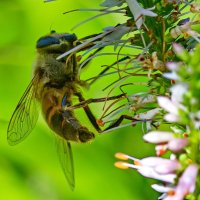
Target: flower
column 185, row 186
column 165, row 140
column 151, row 167
column 138, row 12
column 174, row 105
column 158, row 137
column 186, row 183
column 171, row 107
column 163, row 170
column 177, row 144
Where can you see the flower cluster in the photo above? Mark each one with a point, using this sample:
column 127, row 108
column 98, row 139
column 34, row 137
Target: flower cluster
column 163, row 170
column 179, row 172
column 180, row 110
column 175, row 185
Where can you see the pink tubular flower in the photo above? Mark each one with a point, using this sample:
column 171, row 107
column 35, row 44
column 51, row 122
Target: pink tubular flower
column 151, row 173
column 186, row 184
column 178, row 49
column 165, row 140
column 151, row 167
column 166, row 190
column 177, row 144
column 160, row 165
column 170, row 107
column 164, row 170
column 174, row 104
column 158, row 137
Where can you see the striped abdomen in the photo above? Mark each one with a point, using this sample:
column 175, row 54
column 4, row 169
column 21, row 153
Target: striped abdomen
column 59, row 120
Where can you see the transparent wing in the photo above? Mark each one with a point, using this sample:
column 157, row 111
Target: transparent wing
column 25, row 115
column 66, row 160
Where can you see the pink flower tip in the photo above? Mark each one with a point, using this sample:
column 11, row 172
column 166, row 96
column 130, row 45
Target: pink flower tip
column 178, row 48
column 172, row 65
column 158, row 137
column 177, row 144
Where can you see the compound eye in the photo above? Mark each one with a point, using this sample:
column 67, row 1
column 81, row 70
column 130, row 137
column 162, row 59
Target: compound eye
column 69, row 37
column 183, row 21
column 46, row 41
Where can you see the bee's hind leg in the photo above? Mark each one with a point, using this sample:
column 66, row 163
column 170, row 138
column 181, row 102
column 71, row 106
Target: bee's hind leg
column 116, row 123
column 84, row 104
column 88, row 112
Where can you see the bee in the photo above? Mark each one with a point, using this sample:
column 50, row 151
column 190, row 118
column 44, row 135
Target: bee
column 52, row 87
column 55, row 82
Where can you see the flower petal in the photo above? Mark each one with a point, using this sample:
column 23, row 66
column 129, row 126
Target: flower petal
column 150, row 173
column 138, row 12
column 177, row 144
column 158, row 137
column 167, row 104
column 161, row 188
column 171, row 117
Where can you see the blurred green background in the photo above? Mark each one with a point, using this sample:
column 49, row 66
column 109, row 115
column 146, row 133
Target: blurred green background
column 31, row 170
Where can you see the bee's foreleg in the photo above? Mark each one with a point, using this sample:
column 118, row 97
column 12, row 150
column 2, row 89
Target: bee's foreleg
column 84, row 103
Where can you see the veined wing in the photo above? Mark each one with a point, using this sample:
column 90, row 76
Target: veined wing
column 66, row 160
column 25, row 115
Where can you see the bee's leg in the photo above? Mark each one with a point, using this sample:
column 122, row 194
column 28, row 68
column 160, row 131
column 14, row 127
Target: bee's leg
column 88, row 112
column 117, row 122
column 83, row 103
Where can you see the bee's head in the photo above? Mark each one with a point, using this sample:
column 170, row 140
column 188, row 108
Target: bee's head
column 56, row 43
